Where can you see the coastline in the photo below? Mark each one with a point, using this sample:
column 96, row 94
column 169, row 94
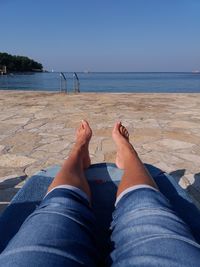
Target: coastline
column 37, row 130
column 130, row 82
column 96, row 93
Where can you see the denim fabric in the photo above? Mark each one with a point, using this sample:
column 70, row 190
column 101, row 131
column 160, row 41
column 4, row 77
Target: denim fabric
column 134, row 187
column 147, row 232
column 61, row 232
column 72, row 188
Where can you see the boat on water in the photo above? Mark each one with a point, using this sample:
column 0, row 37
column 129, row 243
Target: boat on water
column 196, row 71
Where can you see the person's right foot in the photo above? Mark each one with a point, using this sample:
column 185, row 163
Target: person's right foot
column 121, row 138
column 83, row 136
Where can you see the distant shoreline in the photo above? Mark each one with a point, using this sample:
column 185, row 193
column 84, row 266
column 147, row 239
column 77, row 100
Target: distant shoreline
column 104, row 72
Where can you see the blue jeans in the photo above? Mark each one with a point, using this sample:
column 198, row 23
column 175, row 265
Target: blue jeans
column 61, row 232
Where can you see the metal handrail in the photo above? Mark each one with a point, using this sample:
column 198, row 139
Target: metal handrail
column 63, row 83
column 76, row 83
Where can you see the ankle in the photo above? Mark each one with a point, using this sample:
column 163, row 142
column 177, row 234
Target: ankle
column 78, row 149
column 129, row 157
column 126, row 148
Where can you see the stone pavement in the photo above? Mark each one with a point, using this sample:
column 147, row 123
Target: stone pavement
column 37, row 130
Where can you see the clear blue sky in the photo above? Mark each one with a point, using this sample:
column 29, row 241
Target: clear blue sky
column 103, row 35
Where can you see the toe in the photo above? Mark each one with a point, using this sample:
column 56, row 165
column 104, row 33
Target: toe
column 121, row 128
column 127, row 134
column 84, row 123
column 79, row 128
column 116, row 127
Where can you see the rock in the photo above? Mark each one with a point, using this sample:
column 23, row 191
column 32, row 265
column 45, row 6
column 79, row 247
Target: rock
column 8, row 129
column 189, row 157
column 38, row 129
column 39, row 154
column 110, row 156
column 174, row 144
column 33, row 109
column 22, row 138
column 45, row 115
column 34, row 125
column 52, row 126
column 17, row 121
column 54, row 147
column 39, row 165
column 147, row 123
column 1, row 148
column 49, row 140
column 184, row 124
column 97, row 158
column 108, row 146
column 11, row 160
column 190, row 179
column 164, row 167
column 184, row 182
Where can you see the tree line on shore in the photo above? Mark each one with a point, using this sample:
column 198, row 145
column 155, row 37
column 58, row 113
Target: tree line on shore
column 19, row 63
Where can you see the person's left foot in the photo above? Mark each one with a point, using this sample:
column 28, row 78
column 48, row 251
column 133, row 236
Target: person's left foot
column 83, row 136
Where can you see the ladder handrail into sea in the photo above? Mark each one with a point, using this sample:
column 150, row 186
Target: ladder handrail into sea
column 76, row 83
column 63, row 83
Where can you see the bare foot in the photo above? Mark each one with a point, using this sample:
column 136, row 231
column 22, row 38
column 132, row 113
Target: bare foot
column 83, row 136
column 121, row 138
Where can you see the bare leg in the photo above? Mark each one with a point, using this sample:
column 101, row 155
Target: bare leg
column 127, row 158
column 72, row 171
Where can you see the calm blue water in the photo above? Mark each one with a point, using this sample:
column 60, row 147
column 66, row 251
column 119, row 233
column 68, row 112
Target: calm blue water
column 106, row 82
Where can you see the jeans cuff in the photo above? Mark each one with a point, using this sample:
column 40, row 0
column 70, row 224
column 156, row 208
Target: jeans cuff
column 72, row 188
column 132, row 188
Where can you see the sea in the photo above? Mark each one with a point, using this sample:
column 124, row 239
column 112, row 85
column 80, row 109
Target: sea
column 111, row 82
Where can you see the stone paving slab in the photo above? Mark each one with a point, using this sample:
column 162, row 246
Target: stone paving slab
column 37, row 130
